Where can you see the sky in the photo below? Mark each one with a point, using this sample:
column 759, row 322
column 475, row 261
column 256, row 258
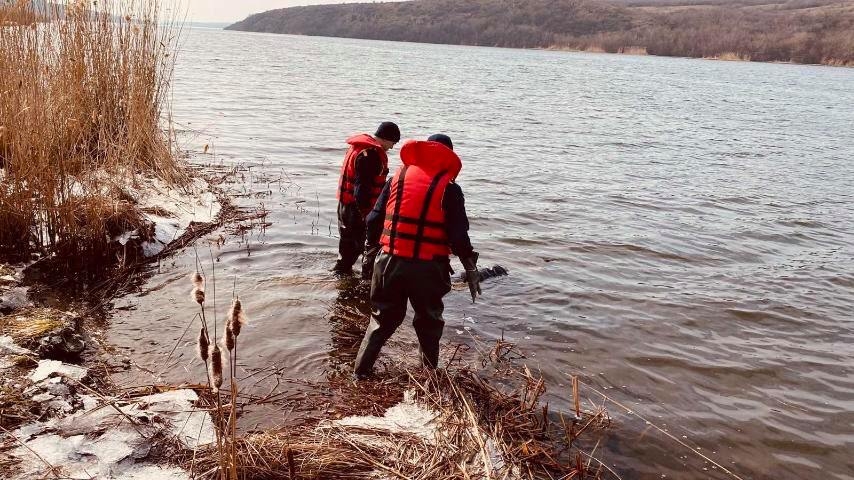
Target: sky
column 232, row 11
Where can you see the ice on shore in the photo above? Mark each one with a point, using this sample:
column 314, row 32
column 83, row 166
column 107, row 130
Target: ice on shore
column 105, row 443
column 171, row 211
column 47, row 368
column 405, row 417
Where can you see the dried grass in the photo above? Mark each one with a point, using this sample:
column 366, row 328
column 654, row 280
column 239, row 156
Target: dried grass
column 490, row 423
column 82, row 99
column 28, row 325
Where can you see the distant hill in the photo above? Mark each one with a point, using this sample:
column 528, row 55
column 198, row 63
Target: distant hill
column 15, row 12
column 802, row 31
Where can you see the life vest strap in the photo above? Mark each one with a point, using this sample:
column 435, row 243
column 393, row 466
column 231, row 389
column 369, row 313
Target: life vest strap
column 397, row 203
column 415, row 237
column 425, row 209
column 416, row 221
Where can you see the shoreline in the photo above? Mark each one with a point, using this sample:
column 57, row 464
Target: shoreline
column 55, row 361
column 628, row 52
column 76, row 399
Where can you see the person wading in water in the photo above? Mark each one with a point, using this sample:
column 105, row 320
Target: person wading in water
column 363, row 175
column 418, row 220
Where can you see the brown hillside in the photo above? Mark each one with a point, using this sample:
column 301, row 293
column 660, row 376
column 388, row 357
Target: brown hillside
column 802, row 31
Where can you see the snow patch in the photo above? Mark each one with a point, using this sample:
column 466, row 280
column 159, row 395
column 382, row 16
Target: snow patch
column 195, row 203
column 100, row 442
column 405, row 417
column 191, row 427
column 15, row 298
column 47, row 368
column 53, row 448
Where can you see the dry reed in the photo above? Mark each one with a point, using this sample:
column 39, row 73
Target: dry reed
column 83, row 94
column 489, row 423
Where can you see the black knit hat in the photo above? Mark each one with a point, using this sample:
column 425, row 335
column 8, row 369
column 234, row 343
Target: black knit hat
column 443, row 139
column 388, row 131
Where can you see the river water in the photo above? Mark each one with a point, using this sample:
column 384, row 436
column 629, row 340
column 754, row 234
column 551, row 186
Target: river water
column 678, row 232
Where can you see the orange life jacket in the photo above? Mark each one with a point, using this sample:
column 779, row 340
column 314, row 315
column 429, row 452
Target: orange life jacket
column 347, row 183
column 415, row 222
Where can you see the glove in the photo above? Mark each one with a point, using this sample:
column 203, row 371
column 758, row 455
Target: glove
column 472, row 275
column 370, row 256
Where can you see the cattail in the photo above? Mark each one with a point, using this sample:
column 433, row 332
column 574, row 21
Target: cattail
column 216, row 366
column 204, row 344
column 236, row 317
column 228, row 340
column 198, row 295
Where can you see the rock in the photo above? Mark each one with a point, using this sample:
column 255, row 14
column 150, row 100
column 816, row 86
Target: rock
column 64, row 342
column 48, row 368
column 42, row 397
column 57, row 406
column 58, row 389
column 50, row 332
column 14, row 298
column 8, row 347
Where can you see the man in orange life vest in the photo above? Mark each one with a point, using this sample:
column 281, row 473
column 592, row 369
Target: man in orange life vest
column 418, row 220
column 363, row 175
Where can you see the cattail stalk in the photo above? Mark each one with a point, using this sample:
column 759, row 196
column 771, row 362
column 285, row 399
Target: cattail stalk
column 216, row 367
column 209, row 351
column 235, row 319
column 236, row 316
column 228, row 339
column 202, row 349
column 198, row 296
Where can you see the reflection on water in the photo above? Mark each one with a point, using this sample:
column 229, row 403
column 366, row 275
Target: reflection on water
column 678, row 231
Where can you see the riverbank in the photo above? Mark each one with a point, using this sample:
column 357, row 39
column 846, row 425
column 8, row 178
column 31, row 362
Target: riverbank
column 782, row 31
column 481, row 416
column 63, row 412
column 60, row 412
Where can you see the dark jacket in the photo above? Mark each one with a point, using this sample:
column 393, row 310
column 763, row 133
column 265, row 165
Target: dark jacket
column 368, row 167
column 456, row 220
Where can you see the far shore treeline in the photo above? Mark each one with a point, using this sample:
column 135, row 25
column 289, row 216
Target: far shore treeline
column 801, row 31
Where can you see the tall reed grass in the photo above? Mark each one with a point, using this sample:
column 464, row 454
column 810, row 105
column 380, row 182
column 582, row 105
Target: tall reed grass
column 83, row 97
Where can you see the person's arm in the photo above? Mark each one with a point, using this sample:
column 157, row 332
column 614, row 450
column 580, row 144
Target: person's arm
column 457, row 221
column 368, row 167
column 376, row 219
column 457, row 227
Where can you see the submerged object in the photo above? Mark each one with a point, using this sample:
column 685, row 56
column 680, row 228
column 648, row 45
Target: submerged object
column 495, row 271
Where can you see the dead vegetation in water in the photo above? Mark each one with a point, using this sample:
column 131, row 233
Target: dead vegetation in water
column 487, row 421
column 80, row 118
column 480, row 430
